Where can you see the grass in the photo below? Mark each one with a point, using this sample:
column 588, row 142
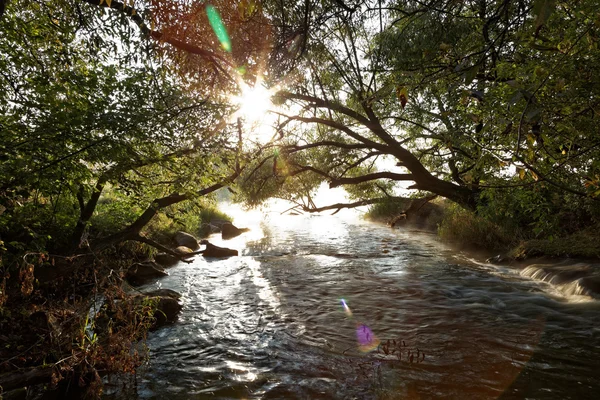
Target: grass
column 582, row 244
column 467, row 228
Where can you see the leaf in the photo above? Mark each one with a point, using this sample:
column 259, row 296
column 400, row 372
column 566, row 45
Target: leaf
column 470, row 74
column 534, row 175
column 402, row 94
column 108, row 2
column 521, row 173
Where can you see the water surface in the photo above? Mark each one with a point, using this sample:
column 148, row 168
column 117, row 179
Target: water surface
column 269, row 324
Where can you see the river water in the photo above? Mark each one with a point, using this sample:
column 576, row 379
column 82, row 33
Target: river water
column 271, row 324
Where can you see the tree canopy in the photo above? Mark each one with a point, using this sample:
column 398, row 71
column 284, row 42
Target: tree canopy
column 491, row 104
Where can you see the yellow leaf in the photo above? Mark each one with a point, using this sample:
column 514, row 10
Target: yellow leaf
column 522, row 174
column 402, row 94
column 534, row 175
column 101, row 1
column 108, row 2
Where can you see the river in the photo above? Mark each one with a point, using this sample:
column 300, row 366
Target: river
column 271, row 323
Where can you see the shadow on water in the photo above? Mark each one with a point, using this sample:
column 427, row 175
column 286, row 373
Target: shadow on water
column 270, row 323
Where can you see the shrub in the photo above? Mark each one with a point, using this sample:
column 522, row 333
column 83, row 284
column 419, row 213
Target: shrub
column 467, row 228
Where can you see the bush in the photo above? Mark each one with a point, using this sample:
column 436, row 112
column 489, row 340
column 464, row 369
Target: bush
column 467, row 228
column 387, row 210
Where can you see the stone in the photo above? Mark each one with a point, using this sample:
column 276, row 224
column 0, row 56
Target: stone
column 229, row 231
column 165, row 260
column 144, row 272
column 163, row 293
column 167, row 311
column 187, row 240
column 183, row 250
column 167, row 306
column 216, row 251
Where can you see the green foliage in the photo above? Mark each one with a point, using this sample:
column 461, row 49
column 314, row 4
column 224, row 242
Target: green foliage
column 464, row 227
column 387, row 210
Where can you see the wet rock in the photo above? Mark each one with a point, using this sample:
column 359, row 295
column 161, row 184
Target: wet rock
column 167, row 311
column 218, row 223
column 187, row 240
column 167, row 305
column 216, row 251
column 207, row 229
column 229, row 231
column 163, row 293
column 166, row 260
column 500, row 258
column 144, row 272
column 183, row 250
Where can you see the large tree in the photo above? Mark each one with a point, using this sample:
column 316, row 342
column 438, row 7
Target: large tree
column 473, row 100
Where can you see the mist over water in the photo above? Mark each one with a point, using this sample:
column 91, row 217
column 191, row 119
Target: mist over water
column 270, row 323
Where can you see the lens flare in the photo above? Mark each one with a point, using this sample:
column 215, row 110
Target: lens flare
column 346, row 308
column 367, row 341
column 217, row 24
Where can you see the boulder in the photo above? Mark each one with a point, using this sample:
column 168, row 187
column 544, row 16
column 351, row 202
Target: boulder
column 166, row 260
column 144, row 272
column 163, row 293
column 167, row 306
column 229, row 231
column 207, row 229
column 216, row 251
column 218, row 222
column 187, row 240
column 183, row 251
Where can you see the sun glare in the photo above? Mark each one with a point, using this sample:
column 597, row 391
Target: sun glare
column 254, row 102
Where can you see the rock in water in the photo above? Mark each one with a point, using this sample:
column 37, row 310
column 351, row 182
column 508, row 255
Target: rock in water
column 166, row 260
column 140, row 273
column 187, row 240
column 229, row 231
column 167, row 306
column 216, row 251
column 183, row 250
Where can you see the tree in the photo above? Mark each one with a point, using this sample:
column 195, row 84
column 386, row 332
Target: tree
column 481, row 102
column 91, row 103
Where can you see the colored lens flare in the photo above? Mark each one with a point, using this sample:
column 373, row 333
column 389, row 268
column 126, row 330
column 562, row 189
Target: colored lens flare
column 218, row 27
column 367, row 341
column 346, row 308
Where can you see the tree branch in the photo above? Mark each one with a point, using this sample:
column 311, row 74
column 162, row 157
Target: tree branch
column 370, row 177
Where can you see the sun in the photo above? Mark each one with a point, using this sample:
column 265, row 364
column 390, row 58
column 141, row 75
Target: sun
column 254, row 102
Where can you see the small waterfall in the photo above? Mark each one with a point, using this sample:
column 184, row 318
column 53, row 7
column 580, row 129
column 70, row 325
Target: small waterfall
column 579, row 279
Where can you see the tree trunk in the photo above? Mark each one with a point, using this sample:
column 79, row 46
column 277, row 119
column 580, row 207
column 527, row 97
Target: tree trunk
column 132, row 232
column 86, row 213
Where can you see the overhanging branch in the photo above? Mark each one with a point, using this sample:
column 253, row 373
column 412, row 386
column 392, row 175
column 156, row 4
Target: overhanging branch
column 370, row 177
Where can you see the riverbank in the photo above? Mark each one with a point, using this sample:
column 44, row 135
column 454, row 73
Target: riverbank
column 66, row 322
column 506, row 243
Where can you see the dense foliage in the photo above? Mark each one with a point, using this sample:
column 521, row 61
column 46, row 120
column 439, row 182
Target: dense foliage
column 492, row 104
